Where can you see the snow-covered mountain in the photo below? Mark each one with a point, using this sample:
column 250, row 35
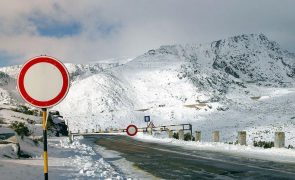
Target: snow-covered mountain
column 210, row 85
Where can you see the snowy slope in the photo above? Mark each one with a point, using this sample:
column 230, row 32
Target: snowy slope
column 8, row 93
column 239, row 83
column 213, row 67
column 209, row 85
column 96, row 98
column 74, row 69
column 8, row 76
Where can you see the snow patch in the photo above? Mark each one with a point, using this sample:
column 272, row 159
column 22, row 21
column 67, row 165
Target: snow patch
column 87, row 162
column 273, row 154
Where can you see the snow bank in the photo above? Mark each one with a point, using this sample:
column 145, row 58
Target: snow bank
column 273, row 154
column 9, row 151
column 87, row 161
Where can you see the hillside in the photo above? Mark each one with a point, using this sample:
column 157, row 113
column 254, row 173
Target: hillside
column 240, row 83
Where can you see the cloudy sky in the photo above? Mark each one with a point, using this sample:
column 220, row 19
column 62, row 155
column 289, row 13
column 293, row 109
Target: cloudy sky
column 94, row 30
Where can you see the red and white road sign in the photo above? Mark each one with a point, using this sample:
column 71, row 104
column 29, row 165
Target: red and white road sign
column 43, row 81
column 131, row 130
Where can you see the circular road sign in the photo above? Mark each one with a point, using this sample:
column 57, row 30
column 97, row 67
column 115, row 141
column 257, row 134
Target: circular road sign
column 43, row 81
column 132, row 130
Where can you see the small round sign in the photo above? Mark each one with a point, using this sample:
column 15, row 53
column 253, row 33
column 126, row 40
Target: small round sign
column 131, row 130
column 43, row 81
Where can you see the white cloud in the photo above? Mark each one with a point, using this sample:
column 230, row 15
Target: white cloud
column 129, row 28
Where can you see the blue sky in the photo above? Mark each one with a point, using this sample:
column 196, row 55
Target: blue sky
column 6, row 59
column 85, row 31
column 56, row 29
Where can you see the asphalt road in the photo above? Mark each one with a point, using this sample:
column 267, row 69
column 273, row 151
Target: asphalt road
column 173, row 162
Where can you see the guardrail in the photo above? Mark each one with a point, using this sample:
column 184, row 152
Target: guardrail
column 279, row 138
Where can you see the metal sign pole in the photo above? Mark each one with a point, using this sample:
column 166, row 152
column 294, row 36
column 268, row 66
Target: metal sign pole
column 45, row 155
column 191, row 128
column 29, row 85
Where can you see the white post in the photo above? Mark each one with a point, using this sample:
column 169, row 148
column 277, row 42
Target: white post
column 170, row 133
column 242, row 137
column 180, row 134
column 150, row 131
column 197, row 136
column 70, row 137
column 215, row 136
column 279, row 139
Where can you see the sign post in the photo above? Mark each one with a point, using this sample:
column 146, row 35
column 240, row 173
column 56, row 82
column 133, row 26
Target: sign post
column 43, row 82
column 147, row 119
column 45, row 154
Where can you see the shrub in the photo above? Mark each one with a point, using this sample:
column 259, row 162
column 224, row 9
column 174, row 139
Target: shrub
column 37, row 140
column 256, row 97
column 64, row 130
column 55, row 113
column 57, row 129
column 175, row 136
column 2, row 121
column 264, row 144
column 187, row 137
column 23, row 154
column 231, row 142
column 25, row 110
column 20, row 128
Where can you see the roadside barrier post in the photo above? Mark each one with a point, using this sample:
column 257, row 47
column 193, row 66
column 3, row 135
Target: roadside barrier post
column 215, row 136
column 279, row 139
column 242, row 135
column 197, row 136
column 170, row 133
column 70, row 137
column 150, row 131
column 181, row 134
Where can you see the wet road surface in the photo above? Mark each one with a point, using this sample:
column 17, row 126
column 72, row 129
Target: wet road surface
column 173, row 162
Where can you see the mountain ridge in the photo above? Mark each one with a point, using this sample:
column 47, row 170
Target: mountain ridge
column 170, row 82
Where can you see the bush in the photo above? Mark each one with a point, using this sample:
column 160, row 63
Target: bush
column 2, row 121
column 37, row 140
column 26, row 110
column 264, row 144
column 55, row 113
column 175, row 136
column 20, row 128
column 236, row 142
column 50, row 124
column 57, row 129
column 187, row 137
